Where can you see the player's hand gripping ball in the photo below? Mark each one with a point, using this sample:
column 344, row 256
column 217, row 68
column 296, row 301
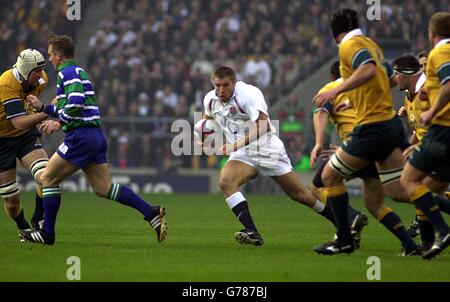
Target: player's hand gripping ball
column 204, row 129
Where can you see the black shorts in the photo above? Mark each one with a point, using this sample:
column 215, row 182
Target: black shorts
column 17, row 147
column 442, row 173
column 369, row 171
column 375, row 141
column 433, row 154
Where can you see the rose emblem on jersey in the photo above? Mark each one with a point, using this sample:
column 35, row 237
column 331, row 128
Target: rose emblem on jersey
column 233, row 111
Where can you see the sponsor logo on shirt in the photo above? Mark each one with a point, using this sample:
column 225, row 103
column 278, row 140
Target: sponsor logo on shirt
column 63, row 148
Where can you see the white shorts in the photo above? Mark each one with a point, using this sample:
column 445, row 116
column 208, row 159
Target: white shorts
column 270, row 160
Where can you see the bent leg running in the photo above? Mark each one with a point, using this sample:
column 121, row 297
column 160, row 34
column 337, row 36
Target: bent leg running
column 234, row 174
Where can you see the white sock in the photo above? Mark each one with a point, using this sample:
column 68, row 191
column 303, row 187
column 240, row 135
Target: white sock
column 318, row 207
column 235, row 199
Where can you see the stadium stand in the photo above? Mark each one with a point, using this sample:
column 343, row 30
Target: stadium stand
column 151, row 61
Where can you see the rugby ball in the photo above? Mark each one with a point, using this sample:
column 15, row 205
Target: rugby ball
column 203, row 128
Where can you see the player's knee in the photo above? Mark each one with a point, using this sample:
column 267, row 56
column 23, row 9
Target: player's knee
column 335, row 171
column 406, row 180
column 226, row 184
column 330, row 178
column 37, row 168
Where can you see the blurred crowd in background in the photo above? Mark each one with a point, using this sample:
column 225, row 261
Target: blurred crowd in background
column 151, row 60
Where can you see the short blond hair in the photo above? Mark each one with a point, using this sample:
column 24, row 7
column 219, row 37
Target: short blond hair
column 63, row 44
column 440, row 24
column 223, row 72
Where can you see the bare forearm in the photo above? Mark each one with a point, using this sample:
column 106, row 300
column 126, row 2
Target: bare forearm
column 261, row 128
column 28, row 121
column 362, row 74
column 320, row 120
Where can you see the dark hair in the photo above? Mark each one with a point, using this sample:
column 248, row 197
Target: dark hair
column 223, row 72
column 440, row 24
column 422, row 54
column 63, row 44
column 334, row 70
column 344, row 20
column 406, row 64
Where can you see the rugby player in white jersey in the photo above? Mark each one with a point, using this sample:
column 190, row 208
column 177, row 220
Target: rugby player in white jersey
column 254, row 148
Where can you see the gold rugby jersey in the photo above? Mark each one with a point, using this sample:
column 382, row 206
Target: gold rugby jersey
column 438, row 73
column 13, row 101
column 372, row 101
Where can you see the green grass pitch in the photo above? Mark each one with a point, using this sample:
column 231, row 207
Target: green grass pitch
column 115, row 244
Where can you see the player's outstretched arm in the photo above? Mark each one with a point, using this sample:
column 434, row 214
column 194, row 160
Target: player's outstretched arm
column 26, row 121
column 50, row 126
column 362, row 75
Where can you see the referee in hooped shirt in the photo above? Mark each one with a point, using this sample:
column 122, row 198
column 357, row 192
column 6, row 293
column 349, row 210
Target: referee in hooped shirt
column 84, row 146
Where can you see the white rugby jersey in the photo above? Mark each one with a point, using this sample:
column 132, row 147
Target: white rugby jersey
column 235, row 116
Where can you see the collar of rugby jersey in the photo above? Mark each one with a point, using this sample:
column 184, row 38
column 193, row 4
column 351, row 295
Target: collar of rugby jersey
column 443, row 41
column 351, row 34
column 66, row 63
column 16, row 75
column 420, row 82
